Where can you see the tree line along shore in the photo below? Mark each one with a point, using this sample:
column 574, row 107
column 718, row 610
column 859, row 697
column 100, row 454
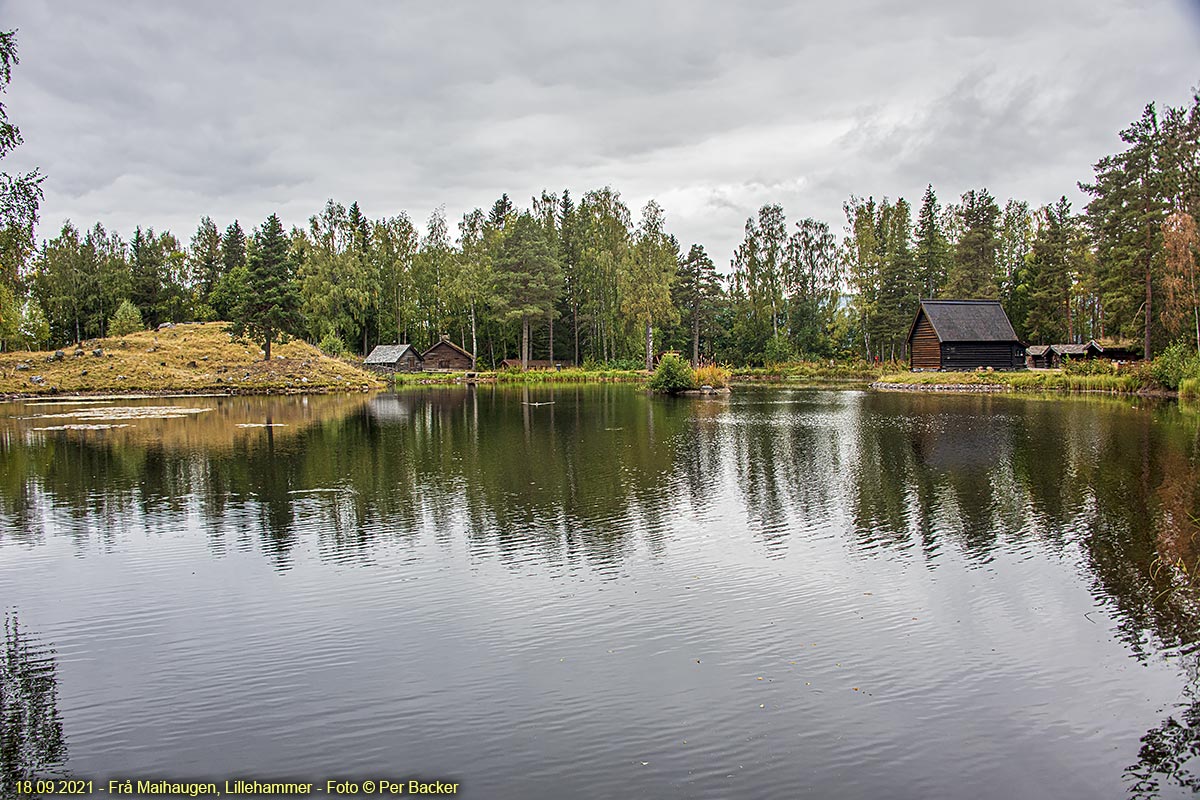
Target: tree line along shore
column 587, row 282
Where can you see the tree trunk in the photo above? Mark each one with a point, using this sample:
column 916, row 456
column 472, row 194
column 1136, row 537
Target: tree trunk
column 474, row 344
column 267, row 348
column 649, row 346
column 364, row 341
column 551, row 339
column 575, row 324
column 696, row 335
column 1146, row 337
column 524, row 343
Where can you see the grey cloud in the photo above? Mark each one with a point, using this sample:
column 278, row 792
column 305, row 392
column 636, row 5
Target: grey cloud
column 157, row 113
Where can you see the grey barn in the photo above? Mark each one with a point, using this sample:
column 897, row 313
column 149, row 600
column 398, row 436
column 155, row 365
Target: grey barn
column 389, row 358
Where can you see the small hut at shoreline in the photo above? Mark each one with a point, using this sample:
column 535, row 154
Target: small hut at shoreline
column 963, row 335
column 391, row 358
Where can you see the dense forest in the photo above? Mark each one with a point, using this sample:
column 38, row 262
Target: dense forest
column 584, row 280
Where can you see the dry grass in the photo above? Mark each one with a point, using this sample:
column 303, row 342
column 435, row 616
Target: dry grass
column 186, row 358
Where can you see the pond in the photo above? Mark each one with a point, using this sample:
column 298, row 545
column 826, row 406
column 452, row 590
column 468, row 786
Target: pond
column 589, row 592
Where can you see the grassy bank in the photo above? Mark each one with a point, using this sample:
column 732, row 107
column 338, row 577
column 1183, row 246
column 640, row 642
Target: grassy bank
column 1024, row 381
column 186, row 358
column 810, row 372
column 533, row 376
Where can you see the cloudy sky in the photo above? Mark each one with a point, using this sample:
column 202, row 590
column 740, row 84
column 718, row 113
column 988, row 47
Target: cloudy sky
column 156, row 113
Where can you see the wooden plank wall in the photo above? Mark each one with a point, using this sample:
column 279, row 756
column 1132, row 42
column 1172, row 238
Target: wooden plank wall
column 924, row 345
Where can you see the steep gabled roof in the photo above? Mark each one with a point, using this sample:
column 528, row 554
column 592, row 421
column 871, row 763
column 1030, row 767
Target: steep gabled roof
column 389, row 353
column 1037, row 349
column 967, row 321
column 449, row 344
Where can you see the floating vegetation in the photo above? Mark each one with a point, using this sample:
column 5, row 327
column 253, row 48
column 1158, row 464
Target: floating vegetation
column 261, row 425
column 126, row 412
column 100, row 426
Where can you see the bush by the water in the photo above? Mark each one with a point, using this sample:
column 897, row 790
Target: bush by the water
column 332, row 345
column 712, row 375
column 127, row 320
column 1089, row 366
column 1175, row 364
column 673, row 374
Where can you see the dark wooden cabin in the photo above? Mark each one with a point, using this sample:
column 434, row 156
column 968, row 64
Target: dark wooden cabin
column 1076, row 352
column 963, row 335
column 1037, row 356
column 447, row 355
column 389, row 358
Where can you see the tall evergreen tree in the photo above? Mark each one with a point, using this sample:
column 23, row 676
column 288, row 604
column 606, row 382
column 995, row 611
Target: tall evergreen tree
column 698, row 291
column 1125, row 217
column 206, row 263
column 269, row 310
column 973, row 271
column 528, row 281
column 932, row 250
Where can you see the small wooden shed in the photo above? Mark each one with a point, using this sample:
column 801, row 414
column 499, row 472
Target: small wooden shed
column 389, row 358
column 447, row 355
column 1075, row 352
column 1037, row 356
column 963, row 335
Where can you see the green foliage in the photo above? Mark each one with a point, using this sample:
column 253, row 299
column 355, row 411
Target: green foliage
column 332, row 344
column 1175, row 364
column 1189, row 389
column 269, row 310
column 35, row 328
column 778, row 350
column 672, row 375
column 126, row 320
column 712, row 375
column 1089, row 366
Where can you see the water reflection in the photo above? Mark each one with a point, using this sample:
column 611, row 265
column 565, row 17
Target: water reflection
column 31, row 732
column 585, row 480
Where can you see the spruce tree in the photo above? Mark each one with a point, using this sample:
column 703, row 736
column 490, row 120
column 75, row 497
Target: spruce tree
column 269, row 309
column 973, row 271
column 932, row 251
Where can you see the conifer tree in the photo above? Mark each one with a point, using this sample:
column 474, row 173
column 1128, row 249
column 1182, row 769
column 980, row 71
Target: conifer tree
column 269, row 309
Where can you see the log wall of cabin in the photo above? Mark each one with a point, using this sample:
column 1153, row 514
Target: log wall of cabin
column 924, row 345
column 966, row 356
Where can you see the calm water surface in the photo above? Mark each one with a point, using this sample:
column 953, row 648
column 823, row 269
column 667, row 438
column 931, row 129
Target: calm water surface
column 593, row 593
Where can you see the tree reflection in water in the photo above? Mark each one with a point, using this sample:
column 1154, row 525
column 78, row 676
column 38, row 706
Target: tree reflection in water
column 31, row 733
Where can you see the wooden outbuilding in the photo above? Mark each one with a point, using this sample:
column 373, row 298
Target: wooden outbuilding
column 963, row 335
column 389, row 358
column 1076, row 352
column 446, row 355
column 1037, row 356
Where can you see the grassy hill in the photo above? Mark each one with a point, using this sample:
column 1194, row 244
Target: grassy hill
column 185, row 358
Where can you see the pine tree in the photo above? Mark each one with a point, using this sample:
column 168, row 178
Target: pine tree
column 527, row 278
column 932, row 251
column 698, row 288
column 269, row 309
column 1125, row 217
column 206, row 264
column 972, row 273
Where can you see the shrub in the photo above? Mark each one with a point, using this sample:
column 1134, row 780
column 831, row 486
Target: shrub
column 332, row 344
column 1086, row 366
column 1175, row 364
column 712, row 375
column 673, row 374
column 128, row 319
column 778, row 350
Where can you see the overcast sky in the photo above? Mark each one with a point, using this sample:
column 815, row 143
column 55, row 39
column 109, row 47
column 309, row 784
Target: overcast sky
column 156, row 113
